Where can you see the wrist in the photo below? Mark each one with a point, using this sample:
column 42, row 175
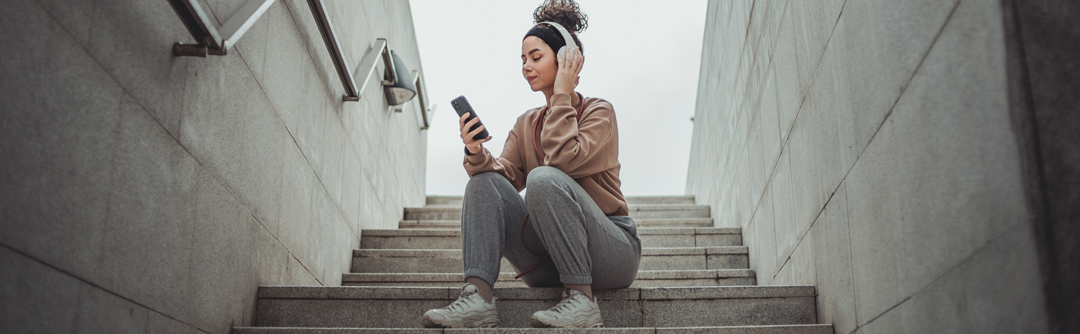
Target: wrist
column 470, row 153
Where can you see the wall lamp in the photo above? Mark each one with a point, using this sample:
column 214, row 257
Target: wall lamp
column 400, row 85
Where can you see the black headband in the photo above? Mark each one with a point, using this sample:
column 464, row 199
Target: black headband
column 549, row 35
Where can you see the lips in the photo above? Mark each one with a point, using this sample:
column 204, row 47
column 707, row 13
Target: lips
column 530, row 79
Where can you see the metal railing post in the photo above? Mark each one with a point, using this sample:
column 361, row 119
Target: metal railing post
column 211, row 40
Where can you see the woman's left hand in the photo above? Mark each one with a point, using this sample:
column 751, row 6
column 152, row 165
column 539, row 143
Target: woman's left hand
column 569, row 68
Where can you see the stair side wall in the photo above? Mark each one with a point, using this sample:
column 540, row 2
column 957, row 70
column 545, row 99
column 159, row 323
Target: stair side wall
column 867, row 147
column 143, row 192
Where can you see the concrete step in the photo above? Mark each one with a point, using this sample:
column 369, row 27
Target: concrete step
column 641, row 223
column 449, row 260
column 688, row 199
column 771, row 329
column 451, row 238
column 645, row 278
column 639, row 211
column 402, row 307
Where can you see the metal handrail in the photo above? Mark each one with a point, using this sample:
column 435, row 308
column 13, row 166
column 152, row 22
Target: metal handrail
column 421, row 95
column 211, row 40
column 336, row 54
column 367, row 64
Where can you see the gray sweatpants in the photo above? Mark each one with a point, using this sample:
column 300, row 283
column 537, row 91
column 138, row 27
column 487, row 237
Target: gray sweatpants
column 585, row 246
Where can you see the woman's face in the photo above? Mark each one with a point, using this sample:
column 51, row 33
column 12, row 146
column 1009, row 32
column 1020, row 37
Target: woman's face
column 538, row 64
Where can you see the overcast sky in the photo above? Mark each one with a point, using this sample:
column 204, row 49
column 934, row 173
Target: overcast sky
column 643, row 57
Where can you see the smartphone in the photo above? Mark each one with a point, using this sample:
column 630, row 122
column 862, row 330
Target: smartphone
column 461, row 106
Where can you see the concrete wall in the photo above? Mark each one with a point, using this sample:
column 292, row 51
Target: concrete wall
column 1044, row 76
column 867, row 147
column 145, row 192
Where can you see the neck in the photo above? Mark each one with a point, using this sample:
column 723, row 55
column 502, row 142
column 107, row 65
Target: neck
column 551, row 91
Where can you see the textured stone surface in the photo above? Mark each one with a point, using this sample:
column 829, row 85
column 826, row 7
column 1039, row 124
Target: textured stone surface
column 645, row 278
column 771, row 329
column 380, row 313
column 221, row 266
column 640, row 211
column 103, row 312
column 646, row 307
column 885, row 141
column 832, row 258
column 926, row 154
column 148, row 231
column 728, row 312
column 761, row 239
column 369, row 241
column 449, row 260
column 179, row 184
column 56, row 149
column 647, row 222
column 158, row 323
column 135, row 46
column 44, row 299
column 1041, row 63
column 456, row 200
column 1004, row 269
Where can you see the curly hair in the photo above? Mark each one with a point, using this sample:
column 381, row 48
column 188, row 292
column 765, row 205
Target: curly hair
column 564, row 12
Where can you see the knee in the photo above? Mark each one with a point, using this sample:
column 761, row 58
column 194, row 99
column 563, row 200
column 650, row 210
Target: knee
column 484, row 182
column 543, row 177
column 485, row 177
column 544, row 181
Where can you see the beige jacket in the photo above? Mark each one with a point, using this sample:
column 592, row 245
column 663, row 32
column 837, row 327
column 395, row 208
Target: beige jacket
column 586, row 149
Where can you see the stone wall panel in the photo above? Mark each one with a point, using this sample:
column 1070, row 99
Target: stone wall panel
column 889, row 155
column 171, row 187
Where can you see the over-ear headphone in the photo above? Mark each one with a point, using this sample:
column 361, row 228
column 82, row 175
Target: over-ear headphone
column 565, row 35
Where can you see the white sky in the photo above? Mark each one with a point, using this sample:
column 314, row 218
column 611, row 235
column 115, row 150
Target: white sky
column 643, row 57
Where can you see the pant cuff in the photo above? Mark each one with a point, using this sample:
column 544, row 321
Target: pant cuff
column 487, row 277
column 575, row 279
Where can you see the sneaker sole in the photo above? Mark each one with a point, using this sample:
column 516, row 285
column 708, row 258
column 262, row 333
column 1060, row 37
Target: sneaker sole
column 583, row 324
column 429, row 323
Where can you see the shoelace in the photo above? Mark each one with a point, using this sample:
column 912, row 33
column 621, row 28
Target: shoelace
column 459, row 303
column 565, row 304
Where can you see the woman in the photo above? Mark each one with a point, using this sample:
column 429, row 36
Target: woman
column 572, row 229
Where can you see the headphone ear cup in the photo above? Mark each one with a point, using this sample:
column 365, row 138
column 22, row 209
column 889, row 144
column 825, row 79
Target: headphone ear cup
column 562, row 52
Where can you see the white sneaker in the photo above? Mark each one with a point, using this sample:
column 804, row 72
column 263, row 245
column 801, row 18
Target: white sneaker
column 575, row 310
column 468, row 311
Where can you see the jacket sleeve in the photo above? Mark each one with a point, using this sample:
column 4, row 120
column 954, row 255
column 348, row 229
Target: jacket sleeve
column 573, row 146
column 509, row 164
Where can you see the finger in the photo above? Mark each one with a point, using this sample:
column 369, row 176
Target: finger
column 578, row 60
column 469, row 124
column 478, row 130
column 485, row 140
column 461, row 121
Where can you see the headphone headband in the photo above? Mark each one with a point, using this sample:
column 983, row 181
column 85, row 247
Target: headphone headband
column 569, row 39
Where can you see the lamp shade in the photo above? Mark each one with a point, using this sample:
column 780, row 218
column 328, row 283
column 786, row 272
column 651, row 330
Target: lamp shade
column 403, row 89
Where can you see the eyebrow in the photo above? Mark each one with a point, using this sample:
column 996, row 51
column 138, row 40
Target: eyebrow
column 531, row 52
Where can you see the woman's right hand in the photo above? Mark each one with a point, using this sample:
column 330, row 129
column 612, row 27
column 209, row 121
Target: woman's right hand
column 473, row 145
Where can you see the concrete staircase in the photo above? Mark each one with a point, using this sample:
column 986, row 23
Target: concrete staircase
column 693, row 278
